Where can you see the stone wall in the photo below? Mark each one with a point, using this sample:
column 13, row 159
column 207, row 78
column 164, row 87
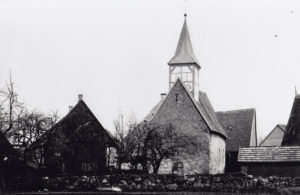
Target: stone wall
column 237, row 183
column 282, row 169
column 217, row 154
column 179, row 110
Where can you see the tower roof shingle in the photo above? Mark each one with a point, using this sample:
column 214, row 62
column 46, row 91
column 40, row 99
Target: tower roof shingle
column 184, row 53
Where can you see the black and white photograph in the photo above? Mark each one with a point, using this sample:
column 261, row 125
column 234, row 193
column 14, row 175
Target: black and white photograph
column 172, row 97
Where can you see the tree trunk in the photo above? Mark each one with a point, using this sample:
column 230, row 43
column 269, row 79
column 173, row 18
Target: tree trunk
column 2, row 178
column 157, row 165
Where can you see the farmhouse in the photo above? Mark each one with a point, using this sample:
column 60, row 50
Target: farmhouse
column 77, row 144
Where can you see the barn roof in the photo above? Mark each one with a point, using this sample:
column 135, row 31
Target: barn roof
column 76, row 118
column 203, row 106
column 274, row 138
column 269, row 154
column 184, row 53
column 238, row 125
column 292, row 133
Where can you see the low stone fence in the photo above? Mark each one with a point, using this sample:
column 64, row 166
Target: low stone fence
column 234, row 183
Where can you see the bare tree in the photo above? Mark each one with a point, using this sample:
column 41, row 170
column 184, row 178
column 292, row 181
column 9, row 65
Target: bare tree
column 10, row 108
column 148, row 144
column 137, row 142
column 166, row 142
column 28, row 128
column 122, row 128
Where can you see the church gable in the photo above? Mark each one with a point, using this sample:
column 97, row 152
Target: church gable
column 178, row 107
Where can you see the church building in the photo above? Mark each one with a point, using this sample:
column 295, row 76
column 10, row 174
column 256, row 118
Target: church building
column 219, row 134
column 190, row 111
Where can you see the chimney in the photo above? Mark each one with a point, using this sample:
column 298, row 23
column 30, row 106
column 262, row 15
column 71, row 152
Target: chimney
column 80, row 96
column 70, row 108
column 163, row 95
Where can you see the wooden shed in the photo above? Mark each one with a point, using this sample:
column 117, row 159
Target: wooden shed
column 270, row 161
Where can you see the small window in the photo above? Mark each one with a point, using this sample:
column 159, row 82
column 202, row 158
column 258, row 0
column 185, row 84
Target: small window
column 57, row 154
column 176, row 97
column 87, row 167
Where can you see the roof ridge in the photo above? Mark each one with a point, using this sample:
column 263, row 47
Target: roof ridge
column 243, row 109
column 202, row 115
column 269, row 134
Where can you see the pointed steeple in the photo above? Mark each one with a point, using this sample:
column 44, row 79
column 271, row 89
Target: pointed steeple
column 184, row 53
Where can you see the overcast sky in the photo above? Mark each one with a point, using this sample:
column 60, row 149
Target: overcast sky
column 115, row 53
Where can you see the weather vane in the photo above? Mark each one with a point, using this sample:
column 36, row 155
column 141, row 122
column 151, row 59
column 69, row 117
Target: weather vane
column 185, row 8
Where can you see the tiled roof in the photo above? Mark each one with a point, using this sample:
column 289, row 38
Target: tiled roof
column 269, row 154
column 184, row 53
column 154, row 110
column 238, row 125
column 292, row 133
column 209, row 114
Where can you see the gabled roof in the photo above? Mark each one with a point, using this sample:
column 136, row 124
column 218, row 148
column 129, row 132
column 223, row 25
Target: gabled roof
column 203, row 107
column 274, row 138
column 282, row 127
column 238, row 125
column 153, row 111
column 269, row 154
column 78, row 117
column 184, row 53
column 292, row 133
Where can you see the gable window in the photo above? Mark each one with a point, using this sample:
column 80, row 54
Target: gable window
column 176, row 97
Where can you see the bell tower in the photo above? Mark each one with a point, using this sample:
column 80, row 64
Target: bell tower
column 184, row 65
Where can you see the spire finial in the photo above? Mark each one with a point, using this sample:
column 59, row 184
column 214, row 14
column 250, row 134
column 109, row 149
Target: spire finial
column 185, row 8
